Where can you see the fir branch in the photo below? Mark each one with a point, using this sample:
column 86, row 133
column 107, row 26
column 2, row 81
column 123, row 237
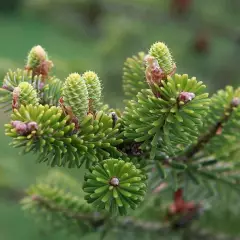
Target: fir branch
column 98, row 219
column 91, row 218
column 206, row 137
column 127, row 223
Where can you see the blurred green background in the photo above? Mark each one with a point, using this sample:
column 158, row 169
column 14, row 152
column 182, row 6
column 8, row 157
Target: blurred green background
column 80, row 35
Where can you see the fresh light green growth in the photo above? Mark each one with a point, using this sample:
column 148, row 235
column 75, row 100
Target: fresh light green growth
column 115, row 185
column 171, row 124
column 52, row 91
column 10, row 90
column 13, row 78
column 46, row 130
column 75, row 95
column 161, row 52
column 134, row 75
column 36, row 56
column 27, row 94
column 94, row 90
column 51, row 136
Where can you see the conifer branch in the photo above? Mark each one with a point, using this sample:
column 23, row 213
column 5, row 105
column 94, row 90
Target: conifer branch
column 212, row 131
column 66, row 124
column 91, row 218
column 127, row 223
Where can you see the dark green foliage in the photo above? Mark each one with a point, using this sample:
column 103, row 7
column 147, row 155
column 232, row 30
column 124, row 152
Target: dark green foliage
column 115, row 185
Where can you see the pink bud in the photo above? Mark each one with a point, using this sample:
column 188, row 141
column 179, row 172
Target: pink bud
column 114, row 181
column 15, row 123
column 35, row 198
column 235, row 102
column 21, row 128
column 32, row 126
column 186, row 97
column 4, row 86
column 41, row 85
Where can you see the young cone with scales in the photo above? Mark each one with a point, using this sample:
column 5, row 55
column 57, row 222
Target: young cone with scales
column 170, row 132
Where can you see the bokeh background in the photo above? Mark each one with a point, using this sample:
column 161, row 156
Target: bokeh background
column 80, row 35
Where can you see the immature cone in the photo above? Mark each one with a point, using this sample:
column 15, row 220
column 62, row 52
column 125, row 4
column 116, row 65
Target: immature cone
column 38, row 61
column 94, row 90
column 75, row 96
column 161, row 52
column 115, row 185
column 24, row 94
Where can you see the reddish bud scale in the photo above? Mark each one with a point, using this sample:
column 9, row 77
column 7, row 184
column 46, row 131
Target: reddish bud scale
column 32, row 126
column 15, row 98
column 186, row 97
column 154, row 74
column 21, row 128
column 180, row 206
column 219, row 130
column 24, row 128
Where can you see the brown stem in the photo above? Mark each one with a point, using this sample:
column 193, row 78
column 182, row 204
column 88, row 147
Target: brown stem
column 205, row 138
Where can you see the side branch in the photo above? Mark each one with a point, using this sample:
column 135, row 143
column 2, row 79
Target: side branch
column 126, row 223
column 205, row 138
